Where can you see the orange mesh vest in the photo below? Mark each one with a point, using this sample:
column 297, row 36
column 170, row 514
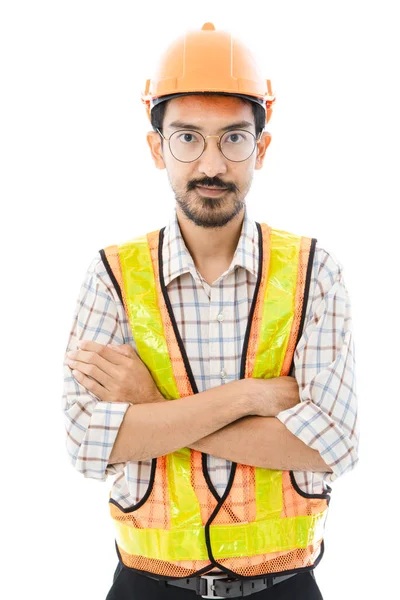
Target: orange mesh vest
column 263, row 524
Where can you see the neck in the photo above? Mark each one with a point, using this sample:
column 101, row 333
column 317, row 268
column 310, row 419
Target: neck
column 211, row 246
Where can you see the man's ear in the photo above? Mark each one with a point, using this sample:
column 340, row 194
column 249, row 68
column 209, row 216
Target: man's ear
column 262, row 148
column 154, row 141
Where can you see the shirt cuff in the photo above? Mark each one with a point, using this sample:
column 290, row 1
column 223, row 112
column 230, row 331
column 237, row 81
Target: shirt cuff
column 97, row 445
column 315, row 428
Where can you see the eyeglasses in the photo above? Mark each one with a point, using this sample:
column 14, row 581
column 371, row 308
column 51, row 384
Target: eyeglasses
column 238, row 149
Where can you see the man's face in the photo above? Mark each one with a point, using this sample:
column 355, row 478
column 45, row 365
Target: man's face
column 209, row 116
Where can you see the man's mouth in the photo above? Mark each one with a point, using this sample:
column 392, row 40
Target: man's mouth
column 212, row 187
column 213, row 191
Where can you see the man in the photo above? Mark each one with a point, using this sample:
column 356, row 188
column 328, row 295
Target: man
column 213, row 361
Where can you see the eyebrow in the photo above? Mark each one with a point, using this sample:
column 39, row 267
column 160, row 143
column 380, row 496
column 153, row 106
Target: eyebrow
column 182, row 125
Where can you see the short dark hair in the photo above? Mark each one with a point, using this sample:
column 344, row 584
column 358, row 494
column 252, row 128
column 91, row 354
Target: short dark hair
column 158, row 112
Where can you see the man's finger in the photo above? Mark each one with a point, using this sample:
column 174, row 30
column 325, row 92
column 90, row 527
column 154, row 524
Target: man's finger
column 104, row 370
column 92, row 370
column 102, row 350
column 92, row 385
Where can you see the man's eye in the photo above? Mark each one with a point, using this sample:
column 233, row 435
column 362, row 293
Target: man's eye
column 187, row 137
column 238, row 137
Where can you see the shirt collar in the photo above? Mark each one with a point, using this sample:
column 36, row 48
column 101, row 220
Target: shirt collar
column 178, row 260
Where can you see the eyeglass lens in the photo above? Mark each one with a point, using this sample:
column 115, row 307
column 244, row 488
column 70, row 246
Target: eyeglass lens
column 236, row 145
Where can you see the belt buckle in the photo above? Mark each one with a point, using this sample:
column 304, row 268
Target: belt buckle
column 210, row 585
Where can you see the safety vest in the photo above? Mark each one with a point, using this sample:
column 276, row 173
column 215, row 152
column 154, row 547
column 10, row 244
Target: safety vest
column 263, row 524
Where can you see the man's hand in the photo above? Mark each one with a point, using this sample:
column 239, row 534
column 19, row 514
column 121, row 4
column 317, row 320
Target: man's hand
column 114, row 373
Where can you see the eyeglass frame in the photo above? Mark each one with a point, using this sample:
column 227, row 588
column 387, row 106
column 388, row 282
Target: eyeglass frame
column 257, row 140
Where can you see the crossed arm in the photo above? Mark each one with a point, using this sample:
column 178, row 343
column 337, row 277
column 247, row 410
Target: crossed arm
column 223, row 422
column 262, row 442
column 324, row 422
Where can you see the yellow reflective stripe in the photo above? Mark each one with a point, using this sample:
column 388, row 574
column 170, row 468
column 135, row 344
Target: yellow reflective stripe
column 269, row 498
column 184, row 504
column 278, row 305
column 243, row 539
column 276, row 323
column 162, row 544
column 144, row 314
column 270, row 535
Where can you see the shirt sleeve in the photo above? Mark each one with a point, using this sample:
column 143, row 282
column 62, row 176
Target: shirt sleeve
column 324, row 361
column 91, row 424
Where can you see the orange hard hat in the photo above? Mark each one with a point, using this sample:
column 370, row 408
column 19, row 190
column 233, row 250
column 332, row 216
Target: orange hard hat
column 207, row 61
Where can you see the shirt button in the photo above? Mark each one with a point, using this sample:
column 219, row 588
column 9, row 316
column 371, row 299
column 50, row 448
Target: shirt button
column 220, row 317
column 223, row 374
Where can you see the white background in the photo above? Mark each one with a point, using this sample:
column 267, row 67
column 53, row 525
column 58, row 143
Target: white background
column 76, row 176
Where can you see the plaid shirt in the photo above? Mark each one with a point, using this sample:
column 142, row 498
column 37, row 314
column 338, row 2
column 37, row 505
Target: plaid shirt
column 212, row 322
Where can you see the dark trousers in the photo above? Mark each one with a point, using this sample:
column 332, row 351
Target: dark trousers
column 128, row 585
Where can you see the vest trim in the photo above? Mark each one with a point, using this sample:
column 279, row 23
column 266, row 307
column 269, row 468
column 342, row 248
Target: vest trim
column 241, row 376
column 306, row 294
column 253, row 304
column 190, row 376
column 305, row 494
column 228, row 571
column 134, row 507
column 286, row 572
column 137, row 505
column 187, row 366
column 171, row 314
column 207, row 477
column 165, row 577
column 111, row 274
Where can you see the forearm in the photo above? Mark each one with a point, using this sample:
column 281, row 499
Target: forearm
column 156, row 429
column 262, row 442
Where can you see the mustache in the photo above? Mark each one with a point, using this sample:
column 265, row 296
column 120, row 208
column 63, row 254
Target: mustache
column 211, row 183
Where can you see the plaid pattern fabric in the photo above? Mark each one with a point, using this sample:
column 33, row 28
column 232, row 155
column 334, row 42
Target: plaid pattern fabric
column 212, row 322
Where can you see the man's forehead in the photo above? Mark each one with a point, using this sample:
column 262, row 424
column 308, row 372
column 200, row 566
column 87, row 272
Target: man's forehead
column 216, row 112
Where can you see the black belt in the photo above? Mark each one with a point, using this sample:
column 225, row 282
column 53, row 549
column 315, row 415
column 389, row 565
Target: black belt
column 224, row 586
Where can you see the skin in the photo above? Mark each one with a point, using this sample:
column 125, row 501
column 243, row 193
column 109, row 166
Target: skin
column 233, row 421
column 211, row 229
column 210, row 226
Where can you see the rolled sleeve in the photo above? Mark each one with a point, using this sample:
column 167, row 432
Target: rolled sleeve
column 326, row 417
column 92, row 425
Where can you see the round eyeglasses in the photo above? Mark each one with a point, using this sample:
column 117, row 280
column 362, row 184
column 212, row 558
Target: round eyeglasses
column 236, row 145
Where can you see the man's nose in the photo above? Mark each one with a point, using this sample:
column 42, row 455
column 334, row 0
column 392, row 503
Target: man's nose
column 212, row 161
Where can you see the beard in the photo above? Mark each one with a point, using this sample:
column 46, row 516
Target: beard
column 210, row 211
